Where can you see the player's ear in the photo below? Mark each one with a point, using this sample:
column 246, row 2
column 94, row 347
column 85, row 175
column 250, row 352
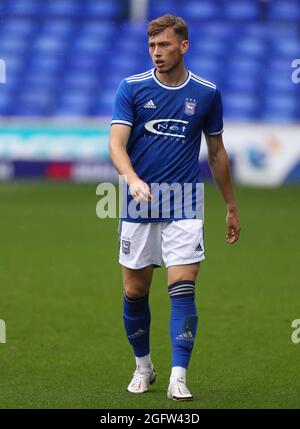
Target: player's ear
column 184, row 46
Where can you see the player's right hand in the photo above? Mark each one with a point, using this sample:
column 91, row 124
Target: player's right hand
column 140, row 191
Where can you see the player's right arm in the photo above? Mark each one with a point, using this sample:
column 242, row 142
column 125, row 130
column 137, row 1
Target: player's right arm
column 119, row 136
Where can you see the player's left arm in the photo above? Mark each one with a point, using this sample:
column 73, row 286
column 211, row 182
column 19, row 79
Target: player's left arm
column 220, row 168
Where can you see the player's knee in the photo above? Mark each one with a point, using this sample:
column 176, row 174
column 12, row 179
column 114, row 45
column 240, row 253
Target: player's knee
column 135, row 292
column 179, row 273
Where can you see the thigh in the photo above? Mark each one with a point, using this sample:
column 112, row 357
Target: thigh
column 177, row 273
column 182, row 242
column 140, row 244
column 137, row 282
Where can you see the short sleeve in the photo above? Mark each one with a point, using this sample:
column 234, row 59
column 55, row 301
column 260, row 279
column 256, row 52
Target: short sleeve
column 123, row 106
column 213, row 124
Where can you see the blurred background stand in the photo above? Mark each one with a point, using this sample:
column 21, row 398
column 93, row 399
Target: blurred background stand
column 64, row 60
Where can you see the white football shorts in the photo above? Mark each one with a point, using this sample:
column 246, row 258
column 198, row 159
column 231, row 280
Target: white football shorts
column 177, row 242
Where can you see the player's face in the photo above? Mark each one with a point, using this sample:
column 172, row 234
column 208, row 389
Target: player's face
column 166, row 50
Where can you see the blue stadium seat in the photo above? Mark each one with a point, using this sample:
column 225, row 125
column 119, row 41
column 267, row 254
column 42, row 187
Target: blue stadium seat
column 162, row 7
column 76, row 98
column 6, row 98
column 50, row 44
column 66, row 57
column 84, row 62
column 124, row 65
column 75, row 102
column 79, row 81
column 283, row 31
column 241, row 106
column 40, row 81
column 91, row 44
column 221, row 31
column 288, row 9
column 241, row 10
column 238, row 83
column 103, row 108
column 46, row 64
column 279, row 76
column 195, row 10
column 134, row 45
column 98, row 28
column 106, row 9
column 63, row 8
column 13, row 45
column 23, row 7
column 112, row 80
column 279, row 65
column 251, row 47
column 204, row 67
column 72, row 111
column 281, row 102
column 17, row 27
column 287, row 47
column 134, row 29
column 33, row 102
column 275, row 85
column 258, row 29
column 208, row 46
column 280, row 109
column 241, row 65
column 61, row 27
column 14, row 62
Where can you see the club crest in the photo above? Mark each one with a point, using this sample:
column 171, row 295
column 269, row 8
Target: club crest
column 126, row 247
column 190, row 106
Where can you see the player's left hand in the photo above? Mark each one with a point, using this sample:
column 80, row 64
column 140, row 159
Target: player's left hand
column 233, row 226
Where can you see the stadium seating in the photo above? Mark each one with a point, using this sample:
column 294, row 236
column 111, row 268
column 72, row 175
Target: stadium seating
column 66, row 57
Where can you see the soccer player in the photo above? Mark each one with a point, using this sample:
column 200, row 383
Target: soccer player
column 156, row 128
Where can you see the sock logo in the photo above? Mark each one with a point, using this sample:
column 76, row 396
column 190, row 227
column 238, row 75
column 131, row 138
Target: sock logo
column 137, row 334
column 187, row 335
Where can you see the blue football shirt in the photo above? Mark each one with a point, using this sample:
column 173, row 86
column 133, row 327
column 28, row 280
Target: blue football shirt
column 164, row 143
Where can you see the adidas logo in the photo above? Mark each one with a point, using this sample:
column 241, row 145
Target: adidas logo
column 198, row 248
column 137, row 334
column 186, row 336
column 150, row 105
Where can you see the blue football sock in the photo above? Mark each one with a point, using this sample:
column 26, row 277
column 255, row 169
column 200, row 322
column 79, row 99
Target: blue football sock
column 136, row 316
column 183, row 322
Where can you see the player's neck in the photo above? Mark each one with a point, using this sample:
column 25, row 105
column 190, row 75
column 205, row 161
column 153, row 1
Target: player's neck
column 173, row 78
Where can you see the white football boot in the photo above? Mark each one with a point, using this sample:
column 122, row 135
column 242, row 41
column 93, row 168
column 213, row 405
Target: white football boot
column 143, row 376
column 178, row 390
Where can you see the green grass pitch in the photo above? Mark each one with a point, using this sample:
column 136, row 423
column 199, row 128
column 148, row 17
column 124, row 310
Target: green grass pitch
column 61, row 299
